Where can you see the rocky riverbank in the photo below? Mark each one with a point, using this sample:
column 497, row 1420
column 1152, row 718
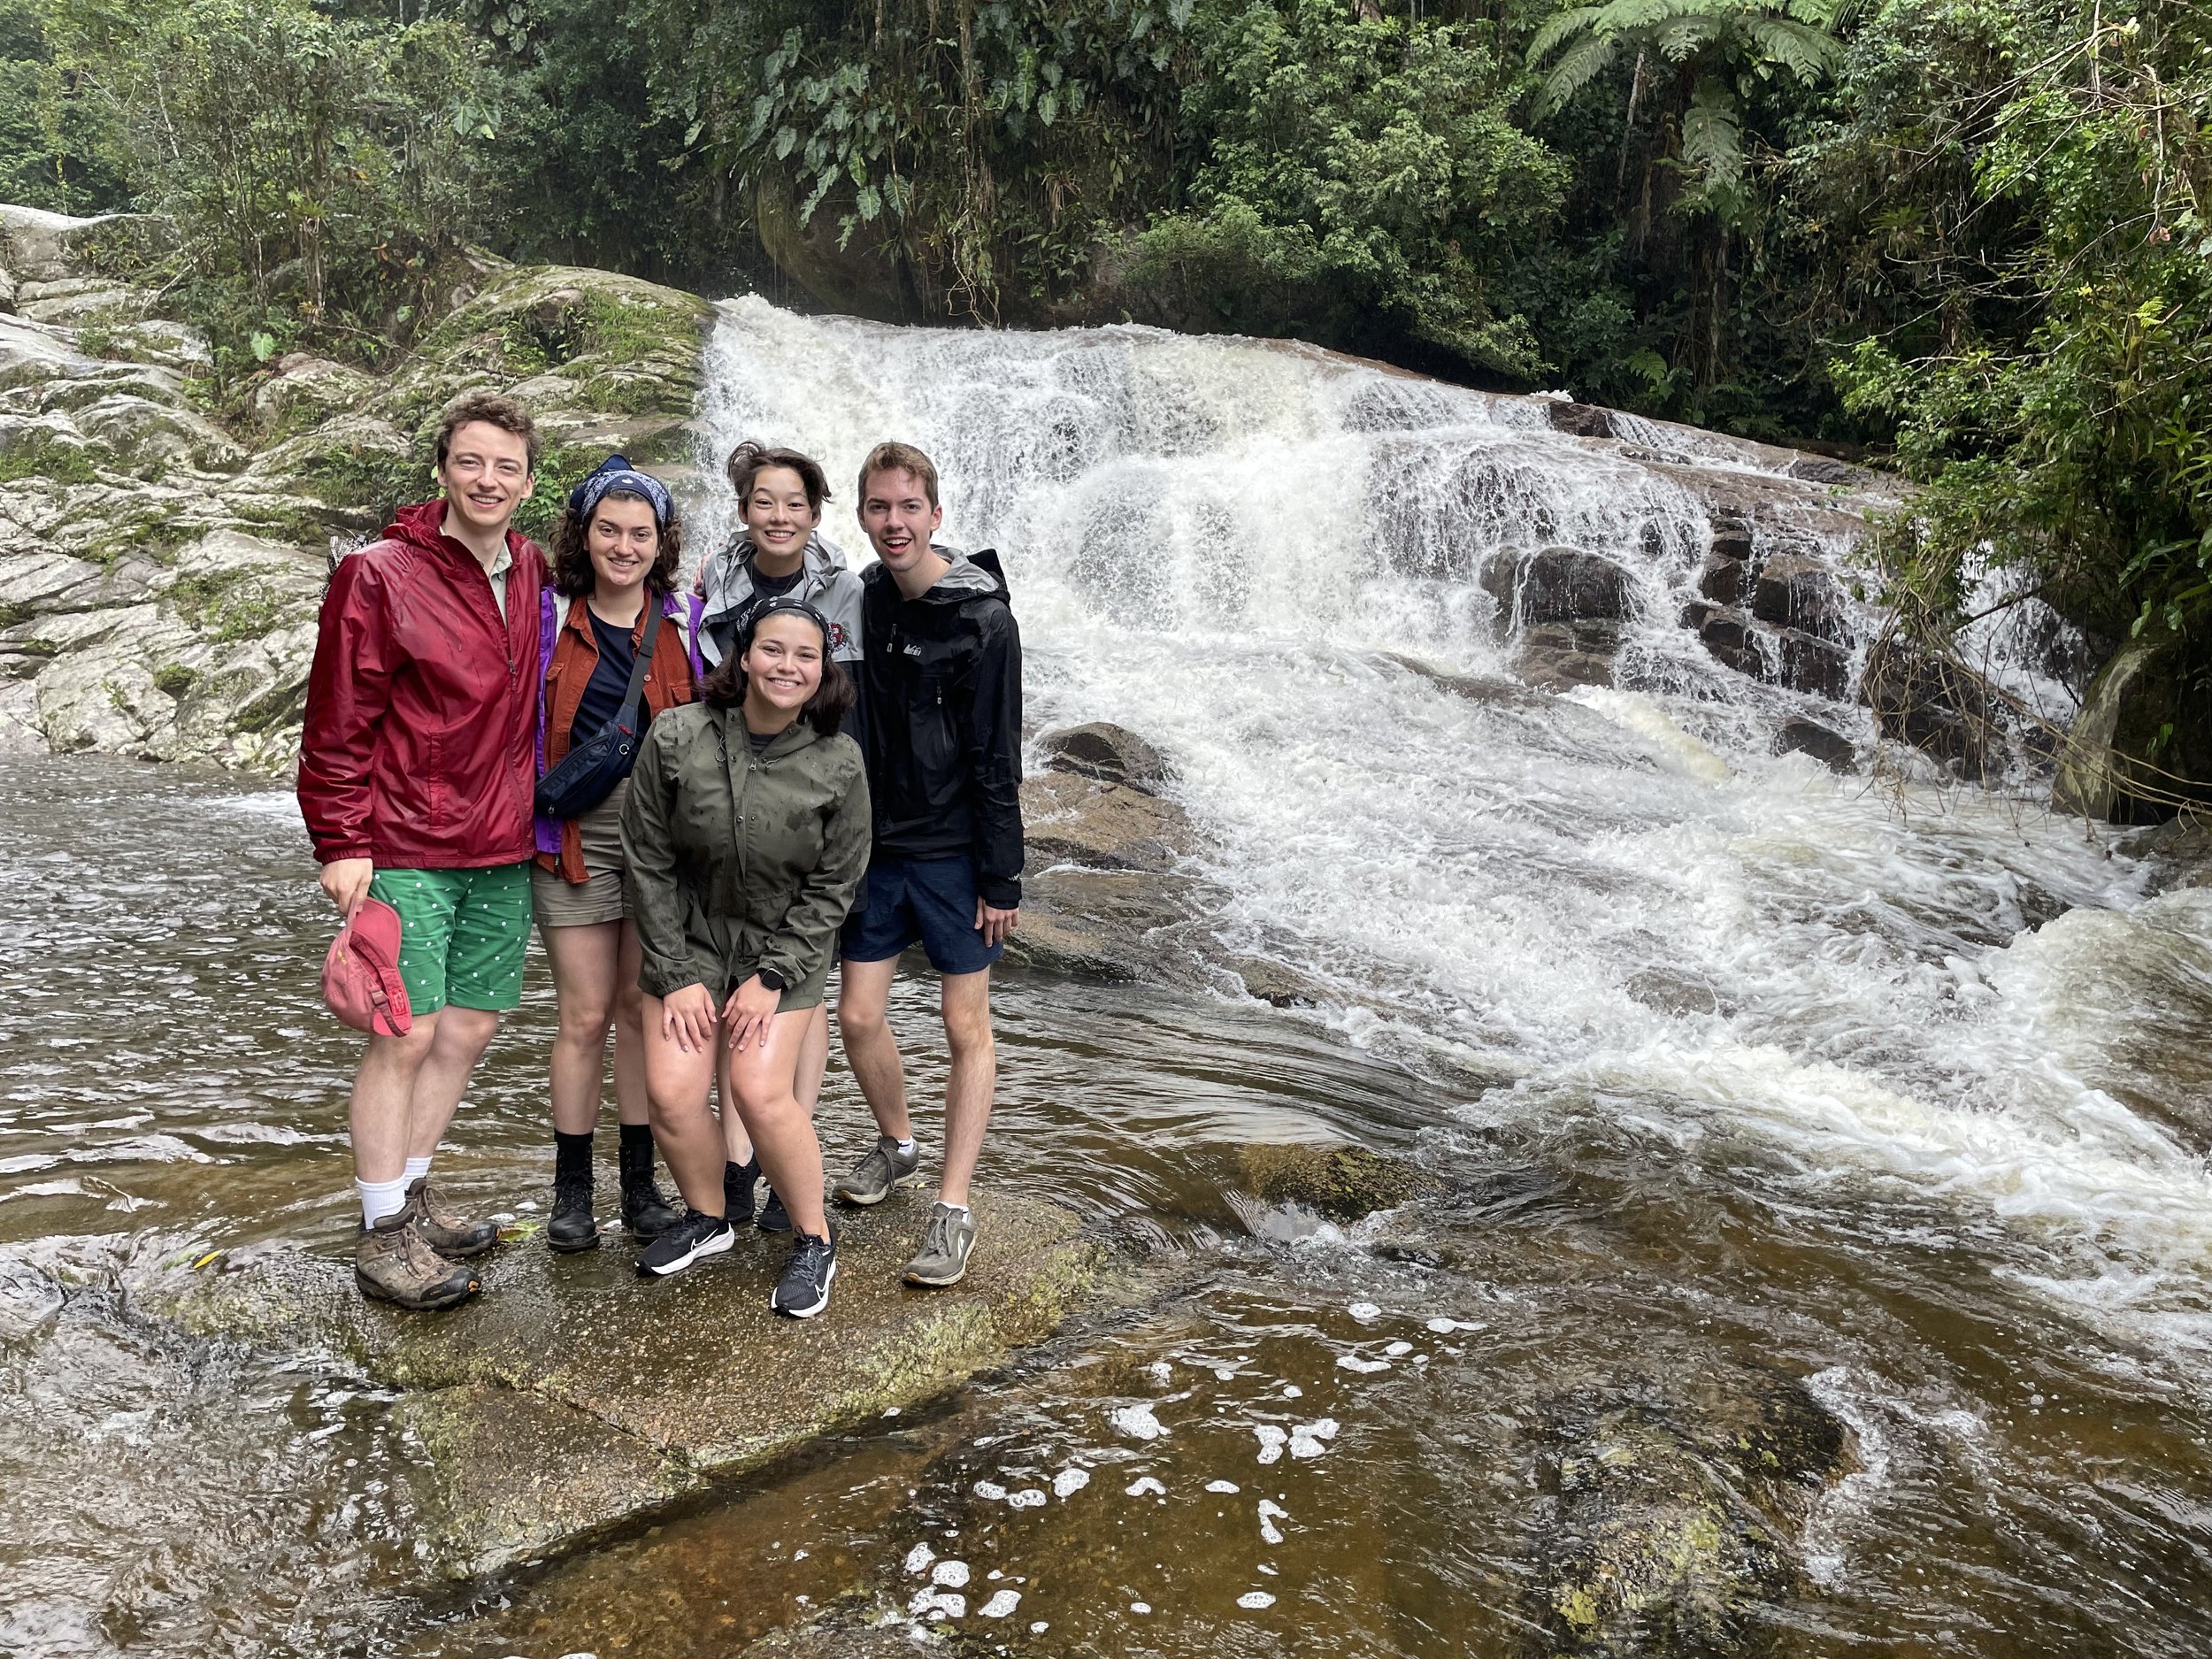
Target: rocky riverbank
column 162, row 566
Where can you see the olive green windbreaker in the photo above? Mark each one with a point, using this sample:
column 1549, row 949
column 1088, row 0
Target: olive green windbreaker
column 740, row 861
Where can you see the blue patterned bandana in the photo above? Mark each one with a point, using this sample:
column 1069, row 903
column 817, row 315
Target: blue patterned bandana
column 616, row 473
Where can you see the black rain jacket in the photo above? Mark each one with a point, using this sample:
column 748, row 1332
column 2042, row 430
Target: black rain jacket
column 943, row 720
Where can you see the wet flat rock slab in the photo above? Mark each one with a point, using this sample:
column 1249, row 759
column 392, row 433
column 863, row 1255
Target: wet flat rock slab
column 572, row 1394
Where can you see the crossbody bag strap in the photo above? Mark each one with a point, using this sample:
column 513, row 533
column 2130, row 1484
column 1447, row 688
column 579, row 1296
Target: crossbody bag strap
column 635, row 692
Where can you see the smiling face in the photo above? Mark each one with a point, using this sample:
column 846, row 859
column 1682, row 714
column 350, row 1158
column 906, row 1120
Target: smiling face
column 623, row 541
column 783, row 668
column 778, row 517
column 486, row 476
column 899, row 518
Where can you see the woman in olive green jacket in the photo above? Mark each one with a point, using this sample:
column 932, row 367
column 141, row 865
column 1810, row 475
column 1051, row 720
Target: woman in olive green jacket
column 746, row 835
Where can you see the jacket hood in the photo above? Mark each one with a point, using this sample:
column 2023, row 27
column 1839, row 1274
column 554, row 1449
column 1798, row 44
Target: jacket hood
column 423, row 526
column 730, row 572
column 971, row 577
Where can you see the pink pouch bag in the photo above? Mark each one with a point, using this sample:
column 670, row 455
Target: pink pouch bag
column 361, row 979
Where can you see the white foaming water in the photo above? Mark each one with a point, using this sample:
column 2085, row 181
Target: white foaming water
column 1617, row 900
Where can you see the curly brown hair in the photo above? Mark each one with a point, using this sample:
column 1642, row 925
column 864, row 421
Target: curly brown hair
column 572, row 573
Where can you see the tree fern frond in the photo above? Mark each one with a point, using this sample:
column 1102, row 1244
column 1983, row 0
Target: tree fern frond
column 1558, row 28
column 1679, row 36
column 1626, row 17
column 1584, row 59
column 1806, row 52
column 1711, row 141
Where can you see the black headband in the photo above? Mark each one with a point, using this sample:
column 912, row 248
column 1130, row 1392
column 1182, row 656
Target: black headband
column 785, row 604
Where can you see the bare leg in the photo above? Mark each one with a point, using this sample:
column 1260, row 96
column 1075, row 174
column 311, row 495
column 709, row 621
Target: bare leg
column 735, row 1143
column 870, row 1048
column 587, row 963
column 459, row 1044
column 382, row 1089
column 629, row 1033
column 676, row 1090
column 782, row 1132
column 813, row 1060
column 966, row 1000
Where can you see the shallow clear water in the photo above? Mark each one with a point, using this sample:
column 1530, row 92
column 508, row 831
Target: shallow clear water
column 1730, row 1070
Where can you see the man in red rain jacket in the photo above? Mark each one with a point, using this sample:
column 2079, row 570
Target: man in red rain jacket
column 417, row 765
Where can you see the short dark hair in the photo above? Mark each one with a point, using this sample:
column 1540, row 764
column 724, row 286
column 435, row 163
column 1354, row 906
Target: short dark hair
column 901, row 457
column 494, row 409
column 572, row 573
column 750, row 459
column 824, row 710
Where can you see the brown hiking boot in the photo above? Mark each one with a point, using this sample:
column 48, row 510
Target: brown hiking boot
column 446, row 1230
column 393, row 1263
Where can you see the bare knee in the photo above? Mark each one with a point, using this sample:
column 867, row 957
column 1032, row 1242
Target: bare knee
column 968, row 1033
column 629, row 1009
column 584, row 1021
column 860, row 1024
column 463, row 1033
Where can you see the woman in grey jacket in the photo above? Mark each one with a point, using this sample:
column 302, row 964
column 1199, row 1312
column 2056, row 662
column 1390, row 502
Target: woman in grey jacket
column 780, row 552
column 747, row 835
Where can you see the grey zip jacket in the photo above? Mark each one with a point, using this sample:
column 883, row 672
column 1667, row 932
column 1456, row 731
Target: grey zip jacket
column 824, row 582
column 738, row 861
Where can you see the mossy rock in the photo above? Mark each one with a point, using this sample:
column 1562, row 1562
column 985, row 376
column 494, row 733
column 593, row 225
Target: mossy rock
column 623, row 1388
column 541, row 317
column 1341, row 1182
column 1672, row 1514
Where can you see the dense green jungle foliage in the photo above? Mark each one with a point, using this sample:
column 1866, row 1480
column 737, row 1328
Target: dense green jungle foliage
column 1967, row 236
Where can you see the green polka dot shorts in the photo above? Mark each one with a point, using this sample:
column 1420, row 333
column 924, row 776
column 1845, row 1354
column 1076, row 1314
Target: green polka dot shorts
column 462, row 934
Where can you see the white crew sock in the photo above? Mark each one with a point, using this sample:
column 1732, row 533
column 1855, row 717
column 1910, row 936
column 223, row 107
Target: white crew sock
column 380, row 1198
column 956, row 1208
column 417, row 1168
column 906, row 1149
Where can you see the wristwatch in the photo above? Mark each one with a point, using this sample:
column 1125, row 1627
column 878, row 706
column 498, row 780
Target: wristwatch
column 773, row 981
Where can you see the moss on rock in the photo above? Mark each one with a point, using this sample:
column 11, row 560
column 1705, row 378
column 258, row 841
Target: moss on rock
column 571, row 1361
column 1341, row 1182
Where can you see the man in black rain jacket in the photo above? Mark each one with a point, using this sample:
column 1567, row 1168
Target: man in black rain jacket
column 942, row 669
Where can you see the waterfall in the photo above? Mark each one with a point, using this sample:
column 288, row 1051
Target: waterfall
column 1617, row 904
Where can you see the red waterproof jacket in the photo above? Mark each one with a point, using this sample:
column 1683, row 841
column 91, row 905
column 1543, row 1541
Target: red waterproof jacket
column 419, row 749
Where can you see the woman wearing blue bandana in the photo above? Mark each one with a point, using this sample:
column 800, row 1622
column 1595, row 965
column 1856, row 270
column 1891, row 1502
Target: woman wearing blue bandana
column 614, row 564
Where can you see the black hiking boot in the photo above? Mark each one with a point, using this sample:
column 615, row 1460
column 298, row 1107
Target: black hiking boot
column 572, row 1227
column 646, row 1212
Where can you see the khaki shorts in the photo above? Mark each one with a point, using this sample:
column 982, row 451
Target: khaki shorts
column 560, row 903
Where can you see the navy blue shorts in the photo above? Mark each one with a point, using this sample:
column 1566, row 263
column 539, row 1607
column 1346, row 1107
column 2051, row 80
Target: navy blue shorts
column 929, row 902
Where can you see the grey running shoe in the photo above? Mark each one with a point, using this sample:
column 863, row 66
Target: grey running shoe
column 445, row 1229
column 873, row 1178
column 393, row 1263
column 946, row 1242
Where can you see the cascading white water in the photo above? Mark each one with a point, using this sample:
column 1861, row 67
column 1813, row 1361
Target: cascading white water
column 1620, row 900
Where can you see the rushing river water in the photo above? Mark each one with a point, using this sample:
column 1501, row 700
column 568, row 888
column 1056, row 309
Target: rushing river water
column 1729, row 1069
